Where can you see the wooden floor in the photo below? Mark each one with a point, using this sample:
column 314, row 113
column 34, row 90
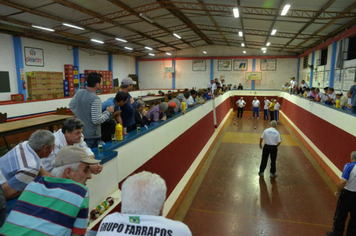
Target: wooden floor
column 229, row 198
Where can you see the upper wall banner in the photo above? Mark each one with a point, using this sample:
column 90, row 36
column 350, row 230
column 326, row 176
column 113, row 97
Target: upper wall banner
column 268, row 64
column 34, row 57
column 240, row 64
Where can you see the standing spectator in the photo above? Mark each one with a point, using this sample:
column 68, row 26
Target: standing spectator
column 266, row 108
column 69, row 135
column 213, row 88
column 108, row 127
column 22, row 164
column 353, row 99
column 256, row 108
column 142, row 200
column 55, row 205
column 240, row 107
column 272, row 141
column 210, row 85
column 346, row 193
column 343, row 99
column 140, row 114
column 86, row 105
column 128, row 110
column 277, row 106
column 157, row 112
column 240, row 87
column 271, row 109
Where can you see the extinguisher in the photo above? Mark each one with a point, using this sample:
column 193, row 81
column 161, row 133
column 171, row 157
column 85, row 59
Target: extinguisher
column 24, row 85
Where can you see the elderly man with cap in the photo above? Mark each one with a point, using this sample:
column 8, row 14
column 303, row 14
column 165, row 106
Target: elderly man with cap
column 142, row 201
column 170, row 110
column 128, row 109
column 140, row 114
column 157, row 112
column 55, row 205
column 343, row 99
column 178, row 101
column 272, row 141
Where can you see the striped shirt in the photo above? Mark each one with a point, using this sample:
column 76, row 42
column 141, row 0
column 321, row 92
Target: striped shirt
column 49, row 206
column 19, row 166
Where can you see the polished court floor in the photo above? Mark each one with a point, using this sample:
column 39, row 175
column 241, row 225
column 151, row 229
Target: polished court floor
column 229, row 198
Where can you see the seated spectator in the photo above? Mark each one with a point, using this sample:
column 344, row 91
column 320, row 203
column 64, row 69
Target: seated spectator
column 349, row 95
column 324, row 96
column 331, row 97
column 193, row 94
column 303, row 85
column 188, row 99
column 317, row 93
column 303, row 92
column 235, row 87
column 22, row 164
column 108, row 127
column 2, row 207
column 140, row 114
column 142, row 200
column 307, row 93
column 285, row 87
column 170, row 110
column 343, row 99
column 178, row 101
column 207, row 95
column 353, row 99
column 55, row 205
column 200, row 99
column 240, row 87
column 70, row 134
column 157, row 112
column 312, row 95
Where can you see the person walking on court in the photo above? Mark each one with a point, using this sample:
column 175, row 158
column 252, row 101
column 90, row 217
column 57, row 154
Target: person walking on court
column 346, row 191
column 272, row 141
column 240, row 107
column 271, row 109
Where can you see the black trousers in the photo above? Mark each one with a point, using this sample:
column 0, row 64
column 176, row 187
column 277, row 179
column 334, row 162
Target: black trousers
column 107, row 128
column 345, row 204
column 271, row 114
column 269, row 150
column 240, row 111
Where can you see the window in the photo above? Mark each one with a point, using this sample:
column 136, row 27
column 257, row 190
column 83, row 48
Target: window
column 305, row 62
column 351, row 51
column 323, row 57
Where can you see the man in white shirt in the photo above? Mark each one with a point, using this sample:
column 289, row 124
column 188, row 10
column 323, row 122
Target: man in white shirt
column 188, row 99
column 142, row 200
column 331, row 97
column 70, row 134
column 265, row 109
column 210, row 84
column 272, row 141
column 255, row 108
column 303, row 85
column 277, row 106
column 240, row 107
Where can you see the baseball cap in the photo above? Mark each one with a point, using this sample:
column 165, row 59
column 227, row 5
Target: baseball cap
column 172, row 104
column 127, row 81
column 72, row 154
column 180, row 96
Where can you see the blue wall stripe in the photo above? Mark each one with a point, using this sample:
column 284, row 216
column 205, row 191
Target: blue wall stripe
column 19, row 65
column 111, row 62
column 211, row 69
column 332, row 64
column 174, row 74
column 312, row 70
column 253, row 70
column 76, row 57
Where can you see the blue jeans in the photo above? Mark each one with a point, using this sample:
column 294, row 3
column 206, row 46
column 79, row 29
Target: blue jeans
column 256, row 110
column 265, row 114
column 276, row 115
column 92, row 142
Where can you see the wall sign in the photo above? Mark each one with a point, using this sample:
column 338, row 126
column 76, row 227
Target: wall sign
column 268, row 64
column 199, row 65
column 34, row 56
column 224, row 65
column 169, row 69
column 240, row 64
column 253, row 75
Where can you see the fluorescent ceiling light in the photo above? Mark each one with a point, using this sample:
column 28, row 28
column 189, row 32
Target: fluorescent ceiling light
column 73, row 26
column 122, row 40
column 42, row 28
column 128, row 48
column 285, row 10
column 151, row 54
column 204, row 52
column 242, row 45
column 244, row 52
column 273, row 32
column 263, row 49
column 236, row 12
column 169, row 54
column 96, row 41
column 176, row 35
column 148, row 48
column 268, row 43
column 240, row 33
column 146, row 18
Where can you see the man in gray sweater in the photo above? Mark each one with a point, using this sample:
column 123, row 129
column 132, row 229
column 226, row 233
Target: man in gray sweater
column 86, row 105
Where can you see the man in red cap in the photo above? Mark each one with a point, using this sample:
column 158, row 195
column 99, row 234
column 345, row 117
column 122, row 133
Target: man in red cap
column 170, row 110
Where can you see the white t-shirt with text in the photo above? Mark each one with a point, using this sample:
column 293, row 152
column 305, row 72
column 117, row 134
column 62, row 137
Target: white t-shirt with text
column 271, row 136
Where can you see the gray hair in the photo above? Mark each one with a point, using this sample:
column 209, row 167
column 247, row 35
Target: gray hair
column 140, row 103
column 143, row 194
column 163, row 106
column 72, row 123
column 58, row 171
column 353, row 155
column 273, row 123
column 40, row 139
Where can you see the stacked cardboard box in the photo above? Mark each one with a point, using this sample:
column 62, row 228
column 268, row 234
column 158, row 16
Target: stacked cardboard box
column 69, row 76
column 106, row 81
column 83, row 81
column 44, row 85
